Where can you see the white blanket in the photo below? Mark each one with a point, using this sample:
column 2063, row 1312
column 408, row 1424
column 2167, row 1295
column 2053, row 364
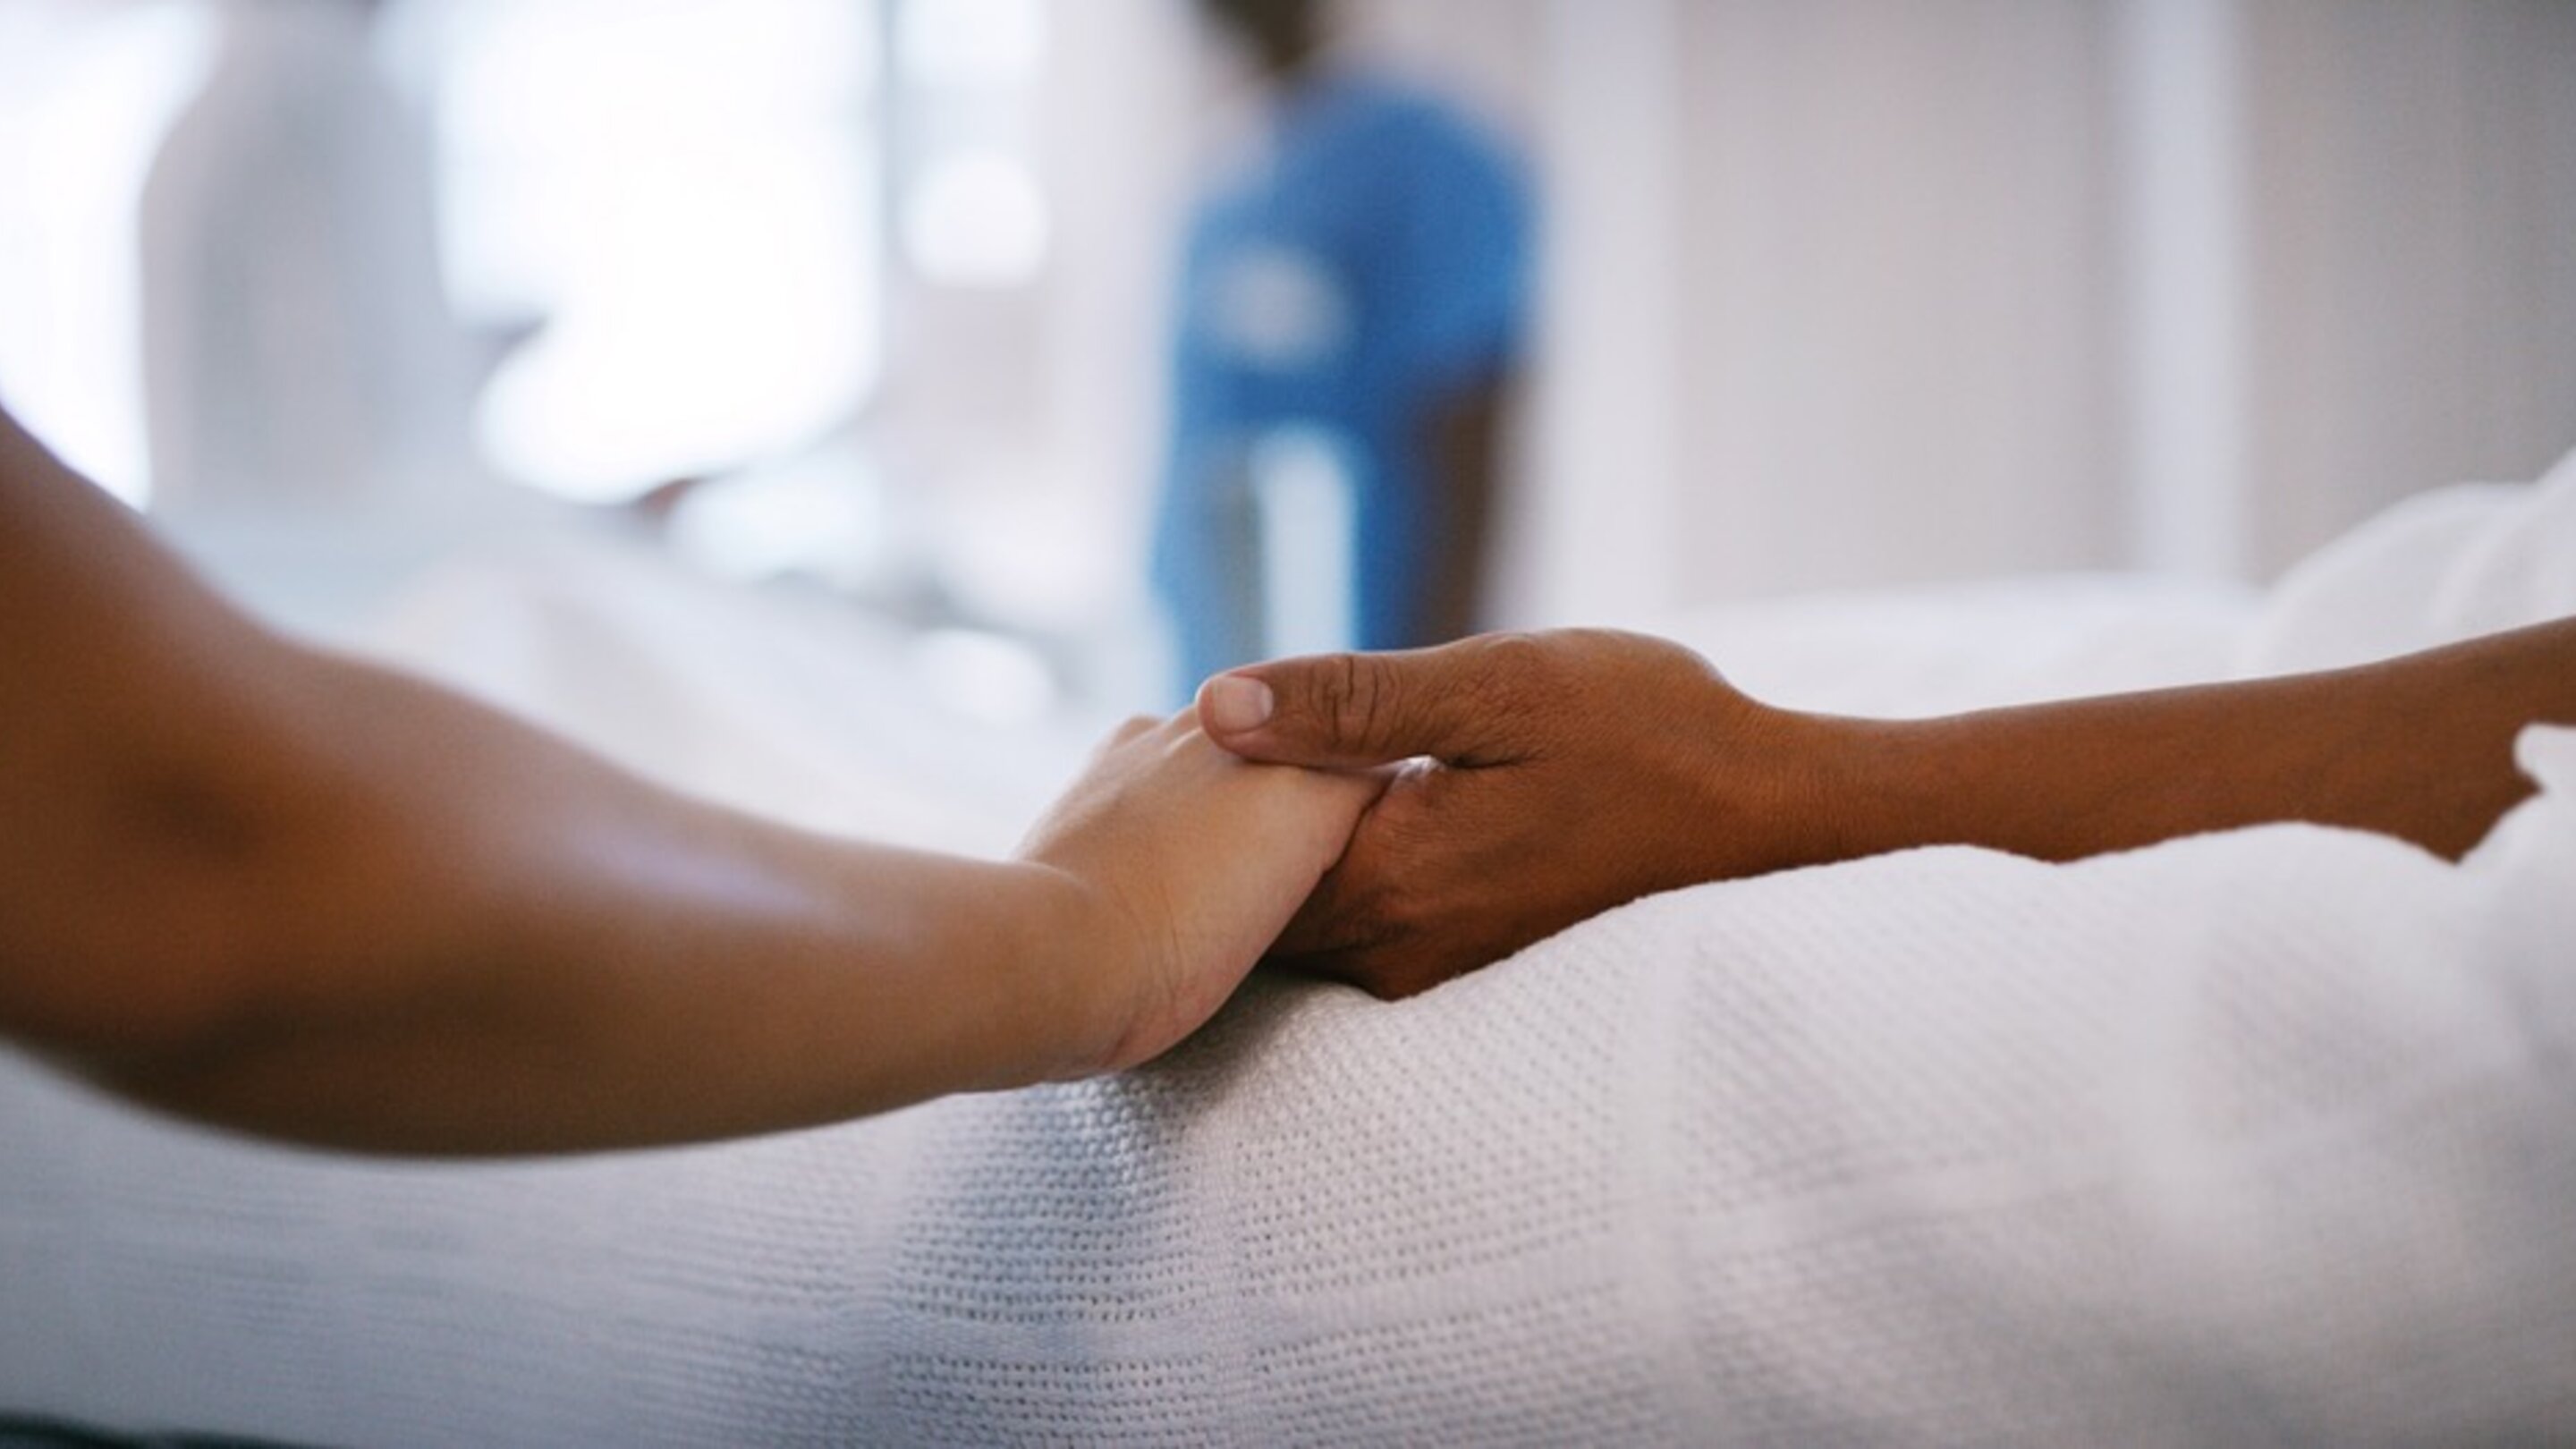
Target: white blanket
column 2265, row 1136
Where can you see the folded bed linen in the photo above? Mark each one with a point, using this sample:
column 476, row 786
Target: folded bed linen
column 2260, row 1136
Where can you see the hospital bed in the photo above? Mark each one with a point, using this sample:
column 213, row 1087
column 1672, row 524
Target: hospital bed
column 2262, row 1136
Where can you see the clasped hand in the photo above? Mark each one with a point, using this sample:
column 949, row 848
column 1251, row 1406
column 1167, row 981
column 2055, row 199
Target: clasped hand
column 1544, row 778
column 1524, row 782
column 1449, row 807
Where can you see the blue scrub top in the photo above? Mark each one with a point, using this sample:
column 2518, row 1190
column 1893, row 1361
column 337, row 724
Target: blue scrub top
column 1375, row 259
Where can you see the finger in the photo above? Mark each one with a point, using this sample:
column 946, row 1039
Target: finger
column 1388, row 970
column 1327, row 921
column 1345, row 906
column 1452, row 702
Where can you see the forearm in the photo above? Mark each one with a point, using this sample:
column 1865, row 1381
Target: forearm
column 449, row 932
column 259, row 885
column 1575, row 770
column 723, row 1027
column 2418, row 747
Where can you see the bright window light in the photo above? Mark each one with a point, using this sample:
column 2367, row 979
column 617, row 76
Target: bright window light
column 821, row 516
column 976, row 219
column 86, row 94
column 683, row 191
column 986, row 677
column 971, row 44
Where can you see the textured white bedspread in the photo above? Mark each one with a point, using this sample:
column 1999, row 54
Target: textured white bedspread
column 2267, row 1136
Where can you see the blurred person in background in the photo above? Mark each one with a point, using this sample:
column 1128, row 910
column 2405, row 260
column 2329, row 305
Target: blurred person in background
column 298, row 345
column 1360, row 281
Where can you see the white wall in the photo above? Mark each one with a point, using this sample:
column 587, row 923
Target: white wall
column 2414, row 252
column 1840, row 292
column 1858, row 292
column 1866, row 292
column 1896, row 293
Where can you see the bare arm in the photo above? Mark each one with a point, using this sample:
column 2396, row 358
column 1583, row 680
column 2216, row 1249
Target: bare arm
column 2419, row 747
column 1571, row 772
column 257, row 884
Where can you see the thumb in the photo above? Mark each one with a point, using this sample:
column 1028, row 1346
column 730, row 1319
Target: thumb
column 1353, row 710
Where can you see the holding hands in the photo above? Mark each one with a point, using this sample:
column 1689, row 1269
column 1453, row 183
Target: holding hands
column 1187, row 862
column 267, row 886
column 1547, row 778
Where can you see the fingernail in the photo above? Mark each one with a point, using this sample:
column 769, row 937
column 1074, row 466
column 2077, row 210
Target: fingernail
column 1237, row 703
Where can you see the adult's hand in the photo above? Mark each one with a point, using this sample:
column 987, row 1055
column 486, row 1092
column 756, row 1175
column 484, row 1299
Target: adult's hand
column 1552, row 776
column 1569, row 772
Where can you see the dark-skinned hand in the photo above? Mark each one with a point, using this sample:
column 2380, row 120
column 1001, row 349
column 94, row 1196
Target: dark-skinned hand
column 1548, row 778
column 1554, row 776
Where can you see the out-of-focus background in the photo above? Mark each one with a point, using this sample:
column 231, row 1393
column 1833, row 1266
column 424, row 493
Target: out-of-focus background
column 877, row 295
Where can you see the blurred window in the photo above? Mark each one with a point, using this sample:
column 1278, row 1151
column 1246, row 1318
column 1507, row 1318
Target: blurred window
column 86, row 92
column 973, row 212
column 684, row 193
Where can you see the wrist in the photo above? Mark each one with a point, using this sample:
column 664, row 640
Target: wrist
column 1782, row 789
column 1878, row 786
column 1064, row 1010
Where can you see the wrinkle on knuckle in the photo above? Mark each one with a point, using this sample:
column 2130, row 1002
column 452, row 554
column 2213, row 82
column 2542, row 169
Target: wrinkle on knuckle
column 1513, row 650
column 1517, row 674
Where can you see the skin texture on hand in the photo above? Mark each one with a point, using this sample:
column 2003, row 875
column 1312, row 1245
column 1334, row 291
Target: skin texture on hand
column 1566, row 773
column 1193, row 861
column 1548, row 777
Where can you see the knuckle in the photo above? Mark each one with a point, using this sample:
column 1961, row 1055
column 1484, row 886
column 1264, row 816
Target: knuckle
column 1515, row 651
column 1519, row 685
column 1393, row 975
column 1376, row 967
column 1383, row 982
column 1515, row 666
column 1401, row 915
column 1648, row 654
column 1127, row 733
